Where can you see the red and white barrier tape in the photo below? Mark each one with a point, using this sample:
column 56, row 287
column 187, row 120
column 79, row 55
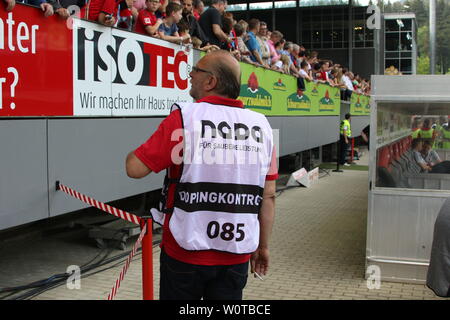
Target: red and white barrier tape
column 116, row 286
column 100, row 205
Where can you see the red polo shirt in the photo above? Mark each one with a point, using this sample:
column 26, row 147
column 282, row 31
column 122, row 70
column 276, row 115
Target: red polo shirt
column 155, row 153
column 93, row 8
column 145, row 18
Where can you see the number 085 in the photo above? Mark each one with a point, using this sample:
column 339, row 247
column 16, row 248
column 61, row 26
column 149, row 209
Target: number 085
column 228, row 231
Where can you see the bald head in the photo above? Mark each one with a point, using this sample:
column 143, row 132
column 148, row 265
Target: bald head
column 227, row 71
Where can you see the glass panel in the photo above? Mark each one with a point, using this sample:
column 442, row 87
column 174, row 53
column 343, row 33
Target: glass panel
column 412, row 146
column 260, row 6
column 359, row 44
column 306, row 36
column 406, row 41
column 369, row 44
column 408, row 25
column 406, row 54
column 237, row 7
column 285, row 4
column 406, row 65
column 392, row 41
column 391, row 25
column 327, row 45
column 392, row 54
column 314, row 3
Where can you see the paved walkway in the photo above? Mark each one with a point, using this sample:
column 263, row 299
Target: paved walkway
column 317, row 251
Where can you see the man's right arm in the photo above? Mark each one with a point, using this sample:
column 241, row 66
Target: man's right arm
column 217, row 30
column 260, row 258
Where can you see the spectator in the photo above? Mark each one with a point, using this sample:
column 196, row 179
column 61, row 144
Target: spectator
column 102, row 11
column 168, row 29
column 125, row 19
column 194, row 28
column 211, row 23
column 147, row 22
column 348, row 84
column 416, row 146
column 227, row 28
column 304, row 71
column 243, row 50
column 252, row 43
column 283, row 64
column 138, row 5
column 198, row 8
column 9, row 4
column 197, row 44
column 46, row 6
column 60, row 7
column 430, row 156
column 275, row 37
column 428, row 159
column 262, row 40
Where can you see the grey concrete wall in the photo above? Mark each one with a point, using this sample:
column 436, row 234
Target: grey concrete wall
column 88, row 154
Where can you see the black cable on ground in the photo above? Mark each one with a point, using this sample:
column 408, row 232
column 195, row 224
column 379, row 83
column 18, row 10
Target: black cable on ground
column 38, row 287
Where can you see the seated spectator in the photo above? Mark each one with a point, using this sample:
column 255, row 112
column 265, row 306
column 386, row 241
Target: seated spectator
column 194, row 28
column 102, row 11
column 304, row 72
column 147, row 22
column 211, row 23
column 9, row 4
column 198, row 8
column 428, row 167
column 168, row 29
column 252, row 44
column 430, row 156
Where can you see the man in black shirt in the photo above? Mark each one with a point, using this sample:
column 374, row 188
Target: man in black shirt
column 211, row 23
column 188, row 17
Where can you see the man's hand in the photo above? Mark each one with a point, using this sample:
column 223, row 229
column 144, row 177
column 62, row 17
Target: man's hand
column 10, row 4
column 259, row 262
column 47, row 8
column 109, row 22
column 63, row 13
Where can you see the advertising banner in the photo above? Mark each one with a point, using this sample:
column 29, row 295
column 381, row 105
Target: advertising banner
column 359, row 105
column 275, row 94
column 52, row 68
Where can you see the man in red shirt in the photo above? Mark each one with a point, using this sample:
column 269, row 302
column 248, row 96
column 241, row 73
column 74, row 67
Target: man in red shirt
column 147, row 23
column 205, row 272
column 102, row 11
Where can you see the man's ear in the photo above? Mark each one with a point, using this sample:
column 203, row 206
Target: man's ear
column 211, row 84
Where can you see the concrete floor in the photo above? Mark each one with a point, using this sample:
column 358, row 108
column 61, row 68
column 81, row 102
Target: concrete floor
column 317, row 252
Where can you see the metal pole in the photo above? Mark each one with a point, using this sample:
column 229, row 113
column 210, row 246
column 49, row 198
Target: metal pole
column 432, row 36
column 350, row 35
column 147, row 260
